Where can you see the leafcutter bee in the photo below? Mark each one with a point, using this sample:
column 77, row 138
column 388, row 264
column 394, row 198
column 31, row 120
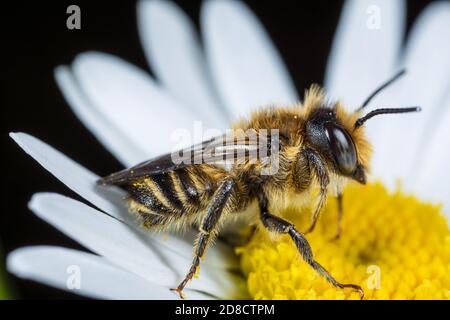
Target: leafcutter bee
column 316, row 145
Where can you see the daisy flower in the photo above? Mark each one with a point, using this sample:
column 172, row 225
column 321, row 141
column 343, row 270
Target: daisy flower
column 385, row 226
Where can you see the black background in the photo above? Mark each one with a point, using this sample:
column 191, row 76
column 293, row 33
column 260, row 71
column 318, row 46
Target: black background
column 35, row 40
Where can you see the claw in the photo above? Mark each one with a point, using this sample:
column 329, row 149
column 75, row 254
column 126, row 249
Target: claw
column 311, row 228
column 361, row 292
column 179, row 291
column 336, row 237
column 356, row 288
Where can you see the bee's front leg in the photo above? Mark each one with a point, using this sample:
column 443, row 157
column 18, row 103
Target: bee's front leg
column 339, row 216
column 207, row 229
column 320, row 171
column 279, row 225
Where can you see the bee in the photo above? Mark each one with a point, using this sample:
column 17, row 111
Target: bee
column 317, row 145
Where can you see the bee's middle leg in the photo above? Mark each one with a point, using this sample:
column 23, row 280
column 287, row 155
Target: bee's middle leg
column 279, row 225
column 207, row 229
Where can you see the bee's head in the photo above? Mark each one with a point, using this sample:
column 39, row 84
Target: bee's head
column 339, row 136
column 346, row 151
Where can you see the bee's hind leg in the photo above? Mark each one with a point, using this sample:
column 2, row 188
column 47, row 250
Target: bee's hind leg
column 278, row 225
column 207, row 229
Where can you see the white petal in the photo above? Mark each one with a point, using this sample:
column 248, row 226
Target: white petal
column 433, row 174
column 99, row 233
column 121, row 245
column 133, row 103
column 173, row 51
column 72, row 175
column 123, row 148
column 364, row 53
column 100, row 279
column 404, row 137
column 246, row 67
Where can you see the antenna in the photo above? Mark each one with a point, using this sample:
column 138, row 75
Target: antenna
column 383, row 86
column 371, row 114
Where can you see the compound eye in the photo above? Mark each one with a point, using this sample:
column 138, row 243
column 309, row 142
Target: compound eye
column 342, row 148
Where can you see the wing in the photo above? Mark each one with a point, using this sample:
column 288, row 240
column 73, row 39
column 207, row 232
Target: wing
column 222, row 150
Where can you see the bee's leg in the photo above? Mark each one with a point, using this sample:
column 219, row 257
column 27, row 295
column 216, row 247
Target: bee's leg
column 339, row 216
column 278, row 225
column 207, row 229
column 321, row 174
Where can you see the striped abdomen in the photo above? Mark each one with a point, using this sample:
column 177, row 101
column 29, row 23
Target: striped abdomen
column 164, row 198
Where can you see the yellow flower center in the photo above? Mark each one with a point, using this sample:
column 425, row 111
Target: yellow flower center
column 392, row 245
